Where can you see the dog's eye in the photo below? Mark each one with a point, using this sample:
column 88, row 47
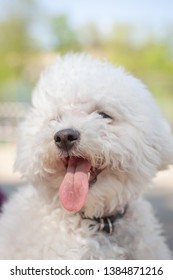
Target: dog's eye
column 104, row 115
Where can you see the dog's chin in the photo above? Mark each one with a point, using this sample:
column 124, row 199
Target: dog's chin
column 93, row 172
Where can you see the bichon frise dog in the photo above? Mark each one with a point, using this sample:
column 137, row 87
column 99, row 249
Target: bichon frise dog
column 90, row 146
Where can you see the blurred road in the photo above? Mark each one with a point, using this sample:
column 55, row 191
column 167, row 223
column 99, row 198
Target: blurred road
column 161, row 195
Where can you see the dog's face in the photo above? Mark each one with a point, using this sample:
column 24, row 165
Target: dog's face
column 92, row 126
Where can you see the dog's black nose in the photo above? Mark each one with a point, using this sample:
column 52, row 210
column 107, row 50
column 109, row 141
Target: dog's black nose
column 66, row 138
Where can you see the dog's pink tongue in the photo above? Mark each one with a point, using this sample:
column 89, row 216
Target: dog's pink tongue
column 74, row 188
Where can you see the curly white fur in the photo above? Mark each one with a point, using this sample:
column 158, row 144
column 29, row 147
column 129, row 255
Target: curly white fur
column 131, row 147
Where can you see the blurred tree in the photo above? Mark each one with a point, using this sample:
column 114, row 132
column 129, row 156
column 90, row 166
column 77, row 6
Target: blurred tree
column 91, row 37
column 14, row 36
column 15, row 27
column 122, row 35
column 16, row 43
column 65, row 37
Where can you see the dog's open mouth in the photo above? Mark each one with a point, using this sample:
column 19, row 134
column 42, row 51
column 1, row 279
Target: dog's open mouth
column 80, row 175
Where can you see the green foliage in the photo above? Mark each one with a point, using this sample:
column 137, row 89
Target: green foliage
column 65, row 38
column 152, row 60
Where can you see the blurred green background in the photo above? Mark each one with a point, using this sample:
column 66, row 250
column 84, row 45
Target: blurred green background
column 32, row 32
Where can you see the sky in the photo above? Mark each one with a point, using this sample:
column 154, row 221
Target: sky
column 105, row 12
column 153, row 15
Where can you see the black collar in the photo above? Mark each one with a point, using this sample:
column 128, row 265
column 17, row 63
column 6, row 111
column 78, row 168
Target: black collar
column 107, row 224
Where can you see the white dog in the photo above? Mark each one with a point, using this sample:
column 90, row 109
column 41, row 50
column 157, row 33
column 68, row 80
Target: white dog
column 90, row 146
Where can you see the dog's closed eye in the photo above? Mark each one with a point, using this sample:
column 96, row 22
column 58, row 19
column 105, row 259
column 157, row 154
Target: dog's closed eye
column 104, row 115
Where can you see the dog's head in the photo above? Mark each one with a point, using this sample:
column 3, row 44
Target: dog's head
column 92, row 125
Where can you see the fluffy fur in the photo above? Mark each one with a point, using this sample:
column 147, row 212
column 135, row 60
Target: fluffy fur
column 131, row 147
